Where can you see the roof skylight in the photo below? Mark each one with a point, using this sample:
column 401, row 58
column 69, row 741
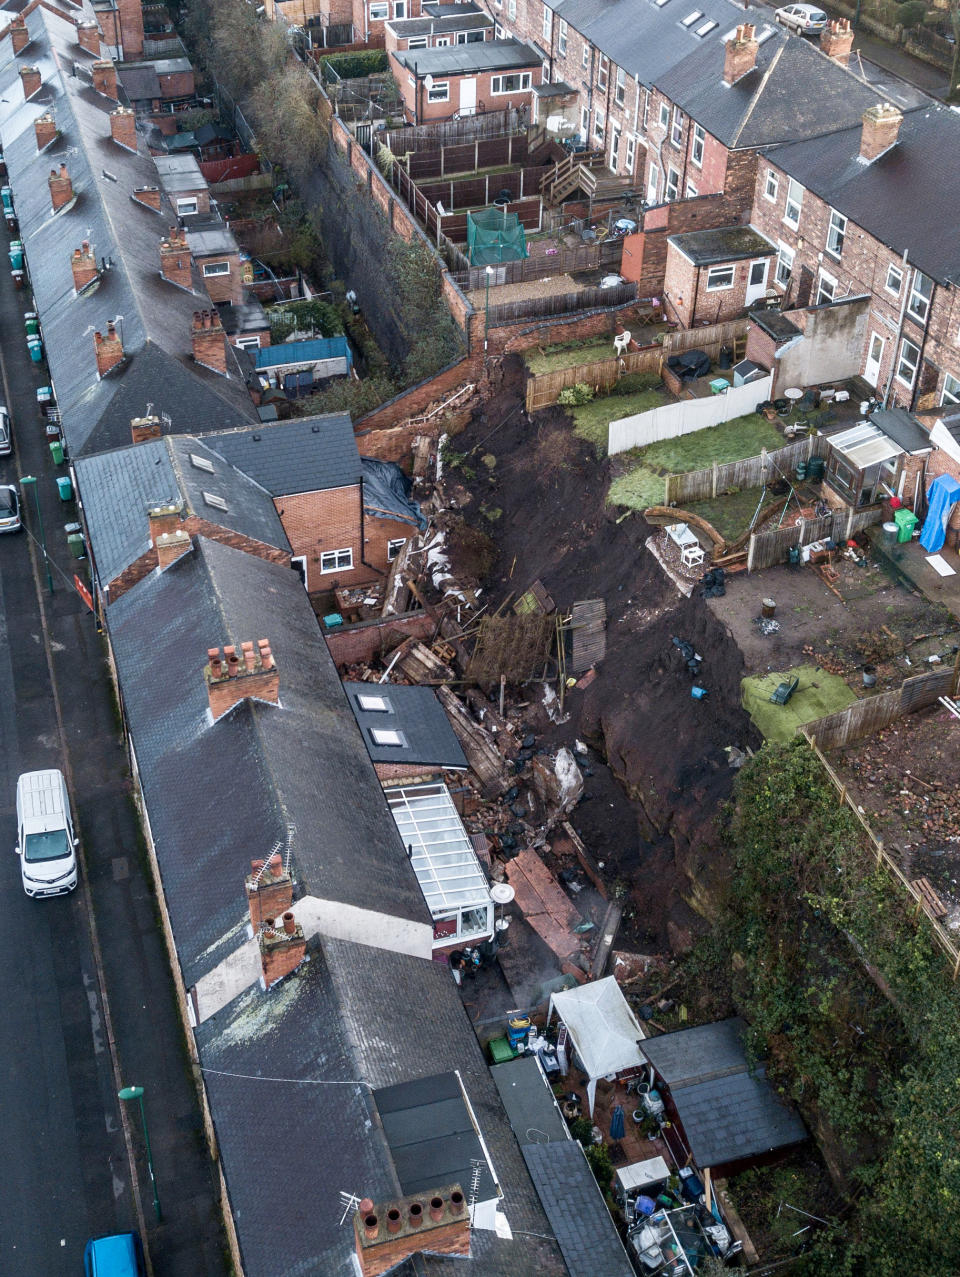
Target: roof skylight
column 386, row 736
column 691, row 18
column 201, row 463
column 706, row 27
column 373, row 704
column 218, row 503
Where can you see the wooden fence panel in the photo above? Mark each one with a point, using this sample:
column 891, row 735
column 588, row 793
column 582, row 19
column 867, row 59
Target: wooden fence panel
column 565, row 261
column 750, row 472
column 769, row 548
column 562, row 304
column 708, row 339
column 602, row 374
column 431, row 137
column 874, row 713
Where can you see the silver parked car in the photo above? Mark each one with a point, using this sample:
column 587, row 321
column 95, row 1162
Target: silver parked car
column 805, row 19
column 6, row 434
column 9, row 509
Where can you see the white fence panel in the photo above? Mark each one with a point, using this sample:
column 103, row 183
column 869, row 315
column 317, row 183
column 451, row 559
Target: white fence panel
column 685, row 417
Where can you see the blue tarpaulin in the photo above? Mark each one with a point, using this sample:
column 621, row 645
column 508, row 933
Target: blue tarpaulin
column 942, row 496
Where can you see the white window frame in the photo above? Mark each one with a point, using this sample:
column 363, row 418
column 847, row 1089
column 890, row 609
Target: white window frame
column 794, row 200
column 441, row 42
column 728, row 273
column 896, row 271
column 585, row 57
column 951, row 389
column 699, row 137
column 387, row 737
column 248, row 343
column 691, row 192
column 399, row 8
column 187, row 206
column 786, row 256
column 904, row 363
column 371, row 704
column 771, row 186
column 836, row 233
column 620, row 87
column 562, row 30
column 545, row 73
column 671, row 187
column 653, row 184
column 215, row 268
column 599, row 124
column 512, row 10
column 394, row 547
column 676, row 128
column 337, row 555
column 664, row 117
column 524, row 77
column 439, row 91
column 547, row 24
column 499, row 32
column 379, row 10
column 921, row 293
column 630, row 158
column 417, row 42
column 646, row 107
column 603, row 68
column 826, row 288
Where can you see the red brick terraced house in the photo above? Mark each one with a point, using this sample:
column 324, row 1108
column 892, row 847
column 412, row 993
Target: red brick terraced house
column 465, row 79
column 872, row 210
column 439, row 26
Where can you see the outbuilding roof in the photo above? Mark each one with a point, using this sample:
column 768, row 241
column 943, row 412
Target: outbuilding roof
column 601, row 1025
column 722, row 244
column 466, row 59
column 412, row 712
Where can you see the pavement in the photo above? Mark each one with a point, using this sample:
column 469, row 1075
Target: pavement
column 90, row 1003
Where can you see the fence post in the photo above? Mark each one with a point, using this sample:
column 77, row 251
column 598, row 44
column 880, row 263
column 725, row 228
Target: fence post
column 750, row 547
column 849, row 524
column 716, row 470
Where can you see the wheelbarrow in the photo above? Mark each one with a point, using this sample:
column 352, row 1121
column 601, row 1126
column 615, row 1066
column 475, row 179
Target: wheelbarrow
column 784, row 691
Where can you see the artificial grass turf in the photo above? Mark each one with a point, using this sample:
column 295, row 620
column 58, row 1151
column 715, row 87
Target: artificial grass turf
column 818, row 695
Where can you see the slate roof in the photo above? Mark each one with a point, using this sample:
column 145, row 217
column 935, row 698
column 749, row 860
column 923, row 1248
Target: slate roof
column 529, row 1102
column 117, row 488
column 211, row 240
column 794, row 91
column 903, row 428
column 301, row 762
column 646, row 39
column 179, row 173
column 465, row 59
column 576, row 1210
column 154, row 316
column 907, row 198
column 309, row 454
column 140, row 80
column 722, row 244
column 414, row 711
column 727, row 1110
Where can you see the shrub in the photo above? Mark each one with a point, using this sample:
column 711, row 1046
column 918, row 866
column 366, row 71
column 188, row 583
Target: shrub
column 598, row 1155
column 912, row 13
column 353, row 66
column 573, row 395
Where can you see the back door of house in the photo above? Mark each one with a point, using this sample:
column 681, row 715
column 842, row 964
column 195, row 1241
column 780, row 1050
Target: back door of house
column 468, row 96
column 871, row 368
column 756, row 281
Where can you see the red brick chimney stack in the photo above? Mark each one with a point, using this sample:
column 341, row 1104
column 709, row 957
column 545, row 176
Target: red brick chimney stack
column 105, row 79
column 881, row 127
column 46, row 130
column 172, row 546
column 123, row 127
column 281, row 951
column 175, row 259
column 88, row 36
column 229, row 680
column 741, row 53
column 387, row 1234
column 109, row 349
column 269, row 892
column 19, row 35
column 148, row 196
column 836, row 40
column 209, row 343
column 144, row 428
column 61, row 188
column 161, row 519
column 84, row 266
column 31, row 80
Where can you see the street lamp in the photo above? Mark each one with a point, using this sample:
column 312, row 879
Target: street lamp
column 29, row 480
column 486, row 312
column 136, row 1093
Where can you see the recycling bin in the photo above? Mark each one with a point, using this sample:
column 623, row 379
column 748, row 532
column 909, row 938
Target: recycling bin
column 75, row 545
column 35, row 347
column 31, row 321
column 56, row 451
column 906, row 521
column 64, row 487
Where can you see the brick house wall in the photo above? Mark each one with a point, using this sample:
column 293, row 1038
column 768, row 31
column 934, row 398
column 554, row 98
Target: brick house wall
column 176, row 84
column 644, row 257
column 321, row 522
column 360, row 643
column 367, row 26
column 436, row 40
column 691, row 300
column 225, row 287
column 864, row 266
column 418, row 108
column 377, row 535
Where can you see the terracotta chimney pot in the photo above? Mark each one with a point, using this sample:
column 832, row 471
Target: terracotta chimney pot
column 416, row 1214
column 436, row 1209
column 289, row 923
column 233, row 661
column 393, row 1220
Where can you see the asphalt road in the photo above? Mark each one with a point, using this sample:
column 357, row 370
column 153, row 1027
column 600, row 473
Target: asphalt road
column 72, row 1165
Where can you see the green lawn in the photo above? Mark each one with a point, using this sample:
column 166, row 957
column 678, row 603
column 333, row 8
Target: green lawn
column 550, row 358
column 590, row 420
column 731, row 514
column 818, row 695
column 641, row 482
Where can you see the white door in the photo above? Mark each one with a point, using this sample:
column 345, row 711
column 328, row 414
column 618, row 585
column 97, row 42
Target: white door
column 468, row 96
column 653, row 181
column 615, row 148
column 756, row 282
column 871, row 369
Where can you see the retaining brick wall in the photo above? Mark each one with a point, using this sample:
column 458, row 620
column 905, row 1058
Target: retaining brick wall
column 355, row 644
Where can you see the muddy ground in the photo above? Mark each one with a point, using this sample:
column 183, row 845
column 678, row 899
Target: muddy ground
column 651, row 816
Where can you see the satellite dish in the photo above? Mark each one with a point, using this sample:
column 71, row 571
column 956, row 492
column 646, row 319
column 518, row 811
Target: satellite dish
column 502, row 893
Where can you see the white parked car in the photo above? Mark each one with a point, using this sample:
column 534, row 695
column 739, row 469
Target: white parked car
column 45, row 840
column 805, row 19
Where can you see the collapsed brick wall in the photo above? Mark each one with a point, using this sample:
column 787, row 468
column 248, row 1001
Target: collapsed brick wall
column 359, row 644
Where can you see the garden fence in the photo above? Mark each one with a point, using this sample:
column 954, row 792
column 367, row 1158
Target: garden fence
column 709, row 339
column 685, row 416
column 873, row 713
column 602, row 374
column 766, row 549
column 561, row 304
column 734, row 476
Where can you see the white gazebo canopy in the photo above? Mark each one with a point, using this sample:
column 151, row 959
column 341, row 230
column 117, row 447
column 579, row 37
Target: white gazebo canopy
column 602, row 1029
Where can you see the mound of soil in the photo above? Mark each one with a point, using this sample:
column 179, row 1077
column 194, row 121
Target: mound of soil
column 655, row 830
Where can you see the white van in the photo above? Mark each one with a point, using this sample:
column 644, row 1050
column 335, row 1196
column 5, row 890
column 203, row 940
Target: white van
column 45, row 841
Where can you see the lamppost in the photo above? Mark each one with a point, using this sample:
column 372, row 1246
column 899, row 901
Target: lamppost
column 486, row 311
column 136, row 1093
column 29, row 480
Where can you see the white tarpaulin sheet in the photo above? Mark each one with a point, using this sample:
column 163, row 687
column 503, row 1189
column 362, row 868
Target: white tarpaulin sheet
column 601, row 1027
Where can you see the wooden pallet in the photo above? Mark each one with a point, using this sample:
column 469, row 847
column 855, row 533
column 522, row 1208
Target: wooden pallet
column 929, row 900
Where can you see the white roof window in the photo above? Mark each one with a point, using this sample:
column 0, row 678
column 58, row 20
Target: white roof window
column 705, row 28
column 374, row 704
column 441, row 852
column 387, row 736
column 691, row 18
